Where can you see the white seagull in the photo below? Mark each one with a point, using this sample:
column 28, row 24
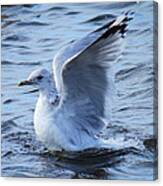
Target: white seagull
column 72, row 102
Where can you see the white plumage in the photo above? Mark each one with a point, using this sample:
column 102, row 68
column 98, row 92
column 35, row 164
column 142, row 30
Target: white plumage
column 70, row 111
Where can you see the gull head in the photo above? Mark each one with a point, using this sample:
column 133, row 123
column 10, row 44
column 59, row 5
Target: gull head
column 40, row 78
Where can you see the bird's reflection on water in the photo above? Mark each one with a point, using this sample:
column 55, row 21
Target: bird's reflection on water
column 90, row 163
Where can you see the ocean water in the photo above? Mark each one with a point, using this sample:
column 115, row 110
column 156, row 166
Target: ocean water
column 31, row 36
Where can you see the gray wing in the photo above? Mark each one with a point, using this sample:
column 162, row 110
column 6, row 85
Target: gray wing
column 81, row 70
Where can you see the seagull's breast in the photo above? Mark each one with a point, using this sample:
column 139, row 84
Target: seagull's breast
column 45, row 124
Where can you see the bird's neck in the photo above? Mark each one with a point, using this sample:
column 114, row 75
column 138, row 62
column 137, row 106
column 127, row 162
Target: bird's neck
column 49, row 94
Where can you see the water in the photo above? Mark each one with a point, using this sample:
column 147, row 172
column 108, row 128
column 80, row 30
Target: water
column 31, row 36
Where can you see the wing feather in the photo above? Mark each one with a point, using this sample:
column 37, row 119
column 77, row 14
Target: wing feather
column 81, row 70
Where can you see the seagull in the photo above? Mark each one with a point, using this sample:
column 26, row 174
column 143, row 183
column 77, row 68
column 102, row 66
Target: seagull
column 71, row 109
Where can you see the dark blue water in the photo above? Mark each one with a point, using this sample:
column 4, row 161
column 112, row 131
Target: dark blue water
column 31, row 36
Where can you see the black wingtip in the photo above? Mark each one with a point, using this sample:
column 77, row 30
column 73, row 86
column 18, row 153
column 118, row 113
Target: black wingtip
column 119, row 24
column 129, row 12
column 129, row 15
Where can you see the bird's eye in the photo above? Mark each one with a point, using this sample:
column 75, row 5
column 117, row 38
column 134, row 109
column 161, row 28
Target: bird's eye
column 39, row 77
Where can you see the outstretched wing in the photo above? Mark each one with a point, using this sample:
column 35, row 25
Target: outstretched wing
column 81, row 70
